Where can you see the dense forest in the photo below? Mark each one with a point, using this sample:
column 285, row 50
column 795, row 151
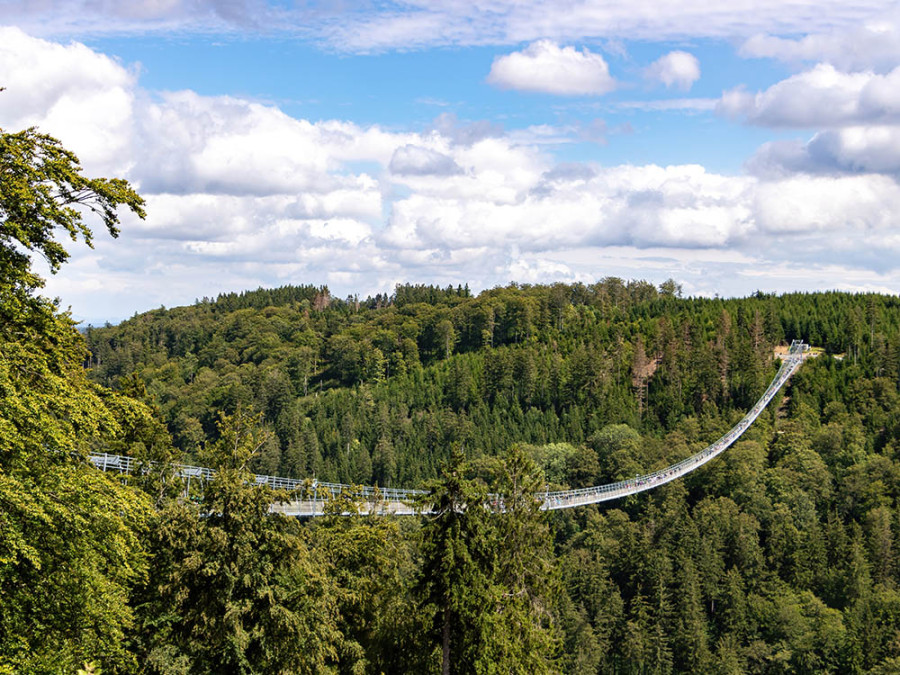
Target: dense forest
column 777, row 557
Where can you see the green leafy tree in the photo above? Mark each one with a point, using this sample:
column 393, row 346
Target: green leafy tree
column 43, row 190
column 69, row 544
column 234, row 588
column 69, row 553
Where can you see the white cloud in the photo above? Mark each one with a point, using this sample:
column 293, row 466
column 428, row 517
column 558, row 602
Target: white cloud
column 224, row 145
column 539, row 270
column 85, row 97
column 191, row 143
column 859, row 149
column 874, row 45
column 545, row 67
column 241, row 195
column 870, row 149
column 362, row 26
column 92, row 17
column 414, row 160
column 857, row 114
column 680, row 206
column 437, row 22
column 675, row 69
column 861, row 205
column 820, row 97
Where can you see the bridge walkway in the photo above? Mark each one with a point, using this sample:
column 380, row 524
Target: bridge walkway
column 402, row 502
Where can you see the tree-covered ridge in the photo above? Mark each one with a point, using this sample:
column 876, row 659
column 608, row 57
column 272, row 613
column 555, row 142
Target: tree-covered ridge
column 376, row 391
column 778, row 557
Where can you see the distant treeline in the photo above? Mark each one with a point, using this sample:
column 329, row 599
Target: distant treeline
column 782, row 556
column 377, row 391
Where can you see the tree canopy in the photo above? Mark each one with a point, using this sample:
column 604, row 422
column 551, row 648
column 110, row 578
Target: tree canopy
column 70, row 544
column 778, row 557
column 42, row 191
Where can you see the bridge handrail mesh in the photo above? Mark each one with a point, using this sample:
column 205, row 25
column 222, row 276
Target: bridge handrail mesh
column 550, row 500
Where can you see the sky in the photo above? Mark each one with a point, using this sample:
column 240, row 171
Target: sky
column 735, row 147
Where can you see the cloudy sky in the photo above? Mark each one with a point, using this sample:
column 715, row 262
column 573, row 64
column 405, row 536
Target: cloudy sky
column 740, row 146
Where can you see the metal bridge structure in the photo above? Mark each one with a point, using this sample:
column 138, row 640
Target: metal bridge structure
column 314, row 496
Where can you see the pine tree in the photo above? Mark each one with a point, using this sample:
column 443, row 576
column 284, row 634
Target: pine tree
column 523, row 638
column 487, row 576
column 456, row 585
column 233, row 588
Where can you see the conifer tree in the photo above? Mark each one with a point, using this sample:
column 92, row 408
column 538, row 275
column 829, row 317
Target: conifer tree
column 234, row 588
column 456, row 585
column 488, row 577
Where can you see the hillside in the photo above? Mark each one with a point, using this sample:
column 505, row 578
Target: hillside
column 378, row 390
column 779, row 557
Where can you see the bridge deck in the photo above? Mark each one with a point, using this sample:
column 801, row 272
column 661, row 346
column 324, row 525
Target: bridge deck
column 400, row 502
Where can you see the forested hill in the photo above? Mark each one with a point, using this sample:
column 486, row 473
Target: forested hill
column 378, row 390
column 778, row 557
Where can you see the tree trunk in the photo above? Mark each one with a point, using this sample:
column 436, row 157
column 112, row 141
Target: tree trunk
column 445, row 639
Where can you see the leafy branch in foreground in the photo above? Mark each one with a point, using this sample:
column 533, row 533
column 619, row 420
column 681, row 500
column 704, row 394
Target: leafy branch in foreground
column 42, row 188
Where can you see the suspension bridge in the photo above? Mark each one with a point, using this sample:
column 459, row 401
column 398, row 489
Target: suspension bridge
column 401, row 502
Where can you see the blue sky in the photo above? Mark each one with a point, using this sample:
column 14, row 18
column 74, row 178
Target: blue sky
column 735, row 147
column 409, row 89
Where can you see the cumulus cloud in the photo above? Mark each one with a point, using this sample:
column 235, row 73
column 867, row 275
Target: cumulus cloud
column 568, row 172
column 857, row 114
column 675, row 69
column 241, row 194
column 548, row 68
column 64, row 88
column 810, row 204
column 859, row 149
column 583, row 206
column 191, row 143
column 875, row 45
column 414, row 160
column 820, row 97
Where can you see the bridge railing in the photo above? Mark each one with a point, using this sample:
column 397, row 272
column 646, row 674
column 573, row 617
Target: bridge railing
column 563, row 498
column 316, row 491
column 129, row 465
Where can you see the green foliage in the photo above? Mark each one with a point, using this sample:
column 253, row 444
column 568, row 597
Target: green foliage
column 233, row 588
column 766, row 560
column 371, row 563
column 43, row 189
column 69, row 552
column 779, row 557
column 487, row 579
column 70, row 547
column 456, row 582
